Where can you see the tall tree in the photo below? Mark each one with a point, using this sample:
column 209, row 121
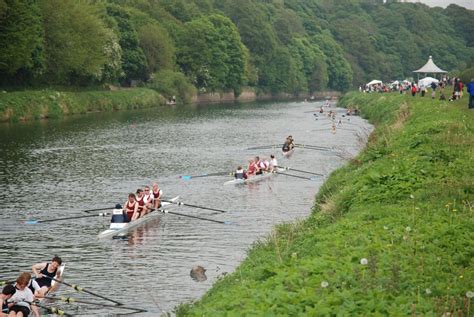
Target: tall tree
column 21, row 37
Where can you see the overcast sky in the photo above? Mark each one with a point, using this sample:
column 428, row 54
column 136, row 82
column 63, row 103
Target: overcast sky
column 444, row 3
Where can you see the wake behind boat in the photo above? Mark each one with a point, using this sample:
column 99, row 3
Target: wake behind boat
column 120, row 228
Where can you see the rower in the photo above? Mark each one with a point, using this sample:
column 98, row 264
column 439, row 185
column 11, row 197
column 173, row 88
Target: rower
column 45, row 273
column 148, row 198
column 273, row 163
column 22, row 298
column 140, row 198
column 252, row 169
column 131, row 207
column 7, row 292
column 240, row 173
column 157, row 193
column 258, row 166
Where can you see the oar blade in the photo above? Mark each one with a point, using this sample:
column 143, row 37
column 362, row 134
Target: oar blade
column 32, row 222
column 186, row 177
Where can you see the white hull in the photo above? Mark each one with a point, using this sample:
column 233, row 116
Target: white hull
column 251, row 179
column 126, row 227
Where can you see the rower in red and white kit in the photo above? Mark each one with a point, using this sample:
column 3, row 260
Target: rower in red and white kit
column 252, row 169
column 157, row 193
column 131, row 207
column 142, row 208
column 148, row 198
column 258, row 166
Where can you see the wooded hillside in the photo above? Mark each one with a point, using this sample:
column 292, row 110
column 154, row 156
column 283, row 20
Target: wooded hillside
column 272, row 45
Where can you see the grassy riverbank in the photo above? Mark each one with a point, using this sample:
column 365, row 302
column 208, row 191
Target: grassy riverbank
column 47, row 103
column 391, row 233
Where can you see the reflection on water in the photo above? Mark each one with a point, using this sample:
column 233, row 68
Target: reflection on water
column 60, row 168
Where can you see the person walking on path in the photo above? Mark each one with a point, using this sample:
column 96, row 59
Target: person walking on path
column 470, row 90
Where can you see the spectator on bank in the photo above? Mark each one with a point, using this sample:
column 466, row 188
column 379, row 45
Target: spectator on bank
column 470, row 90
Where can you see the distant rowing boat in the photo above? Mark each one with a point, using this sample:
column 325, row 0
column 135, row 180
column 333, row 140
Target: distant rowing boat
column 123, row 227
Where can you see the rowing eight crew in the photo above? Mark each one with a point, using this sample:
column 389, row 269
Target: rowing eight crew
column 257, row 166
column 142, row 202
column 16, row 299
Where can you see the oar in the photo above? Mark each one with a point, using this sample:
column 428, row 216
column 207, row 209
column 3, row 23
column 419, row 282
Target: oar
column 32, row 222
column 265, row 147
column 196, row 217
column 194, row 206
column 73, row 300
column 313, row 146
column 80, row 289
column 302, row 177
column 6, row 282
column 188, row 177
column 301, row 171
column 52, row 310
column 98, row 209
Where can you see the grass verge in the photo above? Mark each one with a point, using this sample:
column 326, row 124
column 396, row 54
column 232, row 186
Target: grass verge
column 391, row 232
column 39, row 104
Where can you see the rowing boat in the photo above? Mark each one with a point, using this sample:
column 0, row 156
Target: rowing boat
column 253, row 179
column 120, row 228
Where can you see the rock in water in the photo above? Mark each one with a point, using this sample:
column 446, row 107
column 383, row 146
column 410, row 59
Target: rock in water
column 198, row 273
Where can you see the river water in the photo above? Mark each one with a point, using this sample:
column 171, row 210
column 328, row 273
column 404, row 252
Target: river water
column 57, row 168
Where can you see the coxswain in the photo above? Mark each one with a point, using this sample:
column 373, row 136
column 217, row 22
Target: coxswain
column 131, row 207
column 240, row 173
column 157, row 193
column 45, row 273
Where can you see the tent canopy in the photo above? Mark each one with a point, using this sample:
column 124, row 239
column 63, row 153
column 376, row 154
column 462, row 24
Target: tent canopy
column 374, row 82
column 426, row 82
column 430, row 68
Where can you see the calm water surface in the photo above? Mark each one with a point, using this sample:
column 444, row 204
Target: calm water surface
column 57, row 169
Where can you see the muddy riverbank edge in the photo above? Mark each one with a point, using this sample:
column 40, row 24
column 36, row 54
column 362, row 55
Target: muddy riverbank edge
column 390, row 232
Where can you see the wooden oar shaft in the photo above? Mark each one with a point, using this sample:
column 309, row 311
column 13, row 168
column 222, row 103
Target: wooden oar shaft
column 52, row 310
column 80, row 289
column 265, row 147
column 195, row 206
column 98, row 209
column 66, row 218
column 301, row 171
column 302, row 177
column 73, row 300
column 191, row 216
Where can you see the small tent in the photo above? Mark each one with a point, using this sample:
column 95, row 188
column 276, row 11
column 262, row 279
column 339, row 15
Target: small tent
column 374, row 82
column 426, row 82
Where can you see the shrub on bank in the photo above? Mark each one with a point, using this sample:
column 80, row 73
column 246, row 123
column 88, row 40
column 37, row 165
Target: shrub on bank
column 38, row 104
column 390, row 234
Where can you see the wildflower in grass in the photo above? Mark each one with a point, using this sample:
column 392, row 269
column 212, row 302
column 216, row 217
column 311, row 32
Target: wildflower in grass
column 428, row 291
column 385, row 227
column 364, row 261
column 412, row 197
column 324, row 284
column 470, row 294
column 407, row 229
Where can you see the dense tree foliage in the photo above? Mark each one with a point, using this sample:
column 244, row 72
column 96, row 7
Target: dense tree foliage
column 273, row 45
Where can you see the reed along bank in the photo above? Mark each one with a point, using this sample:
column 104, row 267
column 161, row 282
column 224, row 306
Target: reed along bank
column 391, row 232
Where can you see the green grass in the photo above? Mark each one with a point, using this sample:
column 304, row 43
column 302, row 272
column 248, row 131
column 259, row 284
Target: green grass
column 404, row 205
column 47, row 103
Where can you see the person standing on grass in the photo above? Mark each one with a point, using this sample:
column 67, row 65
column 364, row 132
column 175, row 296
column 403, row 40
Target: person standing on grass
column 470, row 90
